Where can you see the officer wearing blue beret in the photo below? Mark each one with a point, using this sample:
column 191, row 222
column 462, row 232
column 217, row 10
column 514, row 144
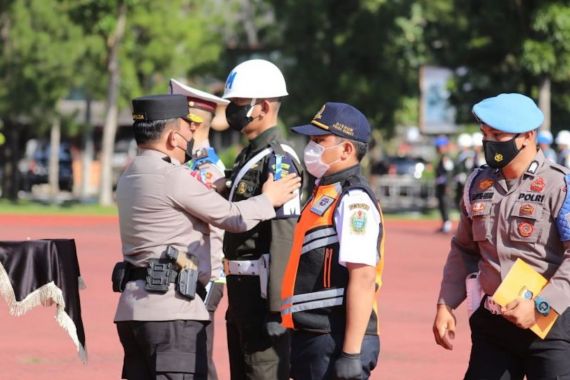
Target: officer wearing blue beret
column 335, row 264
column 517, row 207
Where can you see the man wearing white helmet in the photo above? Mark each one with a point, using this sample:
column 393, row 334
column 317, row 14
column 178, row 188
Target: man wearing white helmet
column 258, row 345
column 479, row 156
column 563, row 143
column 207, row 168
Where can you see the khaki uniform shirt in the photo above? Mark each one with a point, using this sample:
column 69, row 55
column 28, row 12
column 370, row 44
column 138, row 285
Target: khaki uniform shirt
column 160, row 204
column 501, row 222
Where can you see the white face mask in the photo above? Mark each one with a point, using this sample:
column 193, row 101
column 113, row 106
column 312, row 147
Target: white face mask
column 313, row 159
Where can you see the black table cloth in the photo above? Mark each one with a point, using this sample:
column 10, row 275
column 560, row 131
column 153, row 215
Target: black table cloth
column 44, row 272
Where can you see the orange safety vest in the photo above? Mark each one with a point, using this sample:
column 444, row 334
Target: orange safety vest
column 313, row 291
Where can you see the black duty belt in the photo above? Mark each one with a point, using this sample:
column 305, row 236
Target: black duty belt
column 138, row 273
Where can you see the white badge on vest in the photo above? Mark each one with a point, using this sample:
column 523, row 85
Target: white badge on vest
column 322, row 204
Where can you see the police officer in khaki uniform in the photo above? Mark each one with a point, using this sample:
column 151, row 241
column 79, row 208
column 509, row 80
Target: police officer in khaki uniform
column 207, row 167
column 255, row 261
column 515, row 208
column 164, row 210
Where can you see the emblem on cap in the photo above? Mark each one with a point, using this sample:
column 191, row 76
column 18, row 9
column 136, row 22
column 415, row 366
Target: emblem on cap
column 485, row 184
column 525, row 229
column 320, row 113
column 537, row 185
column 526, row 209
column 498, row 157
column 138, row 116
column 478, row 207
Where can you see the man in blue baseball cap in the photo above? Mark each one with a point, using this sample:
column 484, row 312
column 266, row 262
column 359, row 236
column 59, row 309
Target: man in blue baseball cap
column 517, row 208
column 336, row 254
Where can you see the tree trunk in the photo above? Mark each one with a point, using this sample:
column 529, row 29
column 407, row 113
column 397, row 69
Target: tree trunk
column 544, row 102
column 53, row 161
column 10, row 175
column 87, row 153
column 110, row 128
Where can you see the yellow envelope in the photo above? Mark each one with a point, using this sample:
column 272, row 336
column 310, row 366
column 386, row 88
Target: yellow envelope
column 523, row 281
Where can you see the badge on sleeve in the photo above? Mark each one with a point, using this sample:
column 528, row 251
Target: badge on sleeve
column 485, row 184
column 525, row 229
column 358, row 222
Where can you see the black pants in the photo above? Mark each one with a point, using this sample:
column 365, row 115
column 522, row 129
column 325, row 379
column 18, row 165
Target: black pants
column 254, row 355
column 173, row 350
column 313, row 355
column 442, row 196
column 502, row 351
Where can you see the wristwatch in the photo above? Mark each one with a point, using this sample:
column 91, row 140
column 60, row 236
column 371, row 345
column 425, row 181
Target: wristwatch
column 542, row 305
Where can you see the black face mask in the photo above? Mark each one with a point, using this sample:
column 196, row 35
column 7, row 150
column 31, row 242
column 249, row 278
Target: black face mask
column 499, row 154
column 237, row 116
column 189, row 147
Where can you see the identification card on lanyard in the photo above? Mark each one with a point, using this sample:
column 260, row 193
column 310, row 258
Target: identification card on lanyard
column 278, row 164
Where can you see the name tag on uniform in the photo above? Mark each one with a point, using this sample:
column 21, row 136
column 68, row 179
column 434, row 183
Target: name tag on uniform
column 322, row 204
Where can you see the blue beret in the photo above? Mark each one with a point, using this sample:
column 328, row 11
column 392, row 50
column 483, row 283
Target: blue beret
column 511, row 113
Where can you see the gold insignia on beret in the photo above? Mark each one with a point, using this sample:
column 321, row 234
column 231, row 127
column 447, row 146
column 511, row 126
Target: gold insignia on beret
column 138, row 116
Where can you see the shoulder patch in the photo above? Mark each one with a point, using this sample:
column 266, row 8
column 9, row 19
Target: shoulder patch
column 358, row 219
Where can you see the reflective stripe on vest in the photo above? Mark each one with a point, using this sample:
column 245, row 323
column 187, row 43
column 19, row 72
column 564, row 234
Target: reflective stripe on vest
column 315, row 300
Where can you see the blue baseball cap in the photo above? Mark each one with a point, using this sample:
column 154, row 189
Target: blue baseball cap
column 511, row 113
column 544, row 137
column 441, row 141
column 338, row 119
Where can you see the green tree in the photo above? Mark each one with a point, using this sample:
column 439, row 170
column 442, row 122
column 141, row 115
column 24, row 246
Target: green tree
column 38, row 51
column 143, row 44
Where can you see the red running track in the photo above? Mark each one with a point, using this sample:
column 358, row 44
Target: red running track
column 35, row 347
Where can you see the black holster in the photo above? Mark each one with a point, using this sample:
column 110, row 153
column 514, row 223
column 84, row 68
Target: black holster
column 120, row 276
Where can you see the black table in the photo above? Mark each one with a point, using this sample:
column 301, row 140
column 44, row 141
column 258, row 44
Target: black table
column 44, row 272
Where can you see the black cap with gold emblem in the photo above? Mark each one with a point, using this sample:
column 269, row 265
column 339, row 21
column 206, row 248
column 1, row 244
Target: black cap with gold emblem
column 338, row 119
column 159, row 107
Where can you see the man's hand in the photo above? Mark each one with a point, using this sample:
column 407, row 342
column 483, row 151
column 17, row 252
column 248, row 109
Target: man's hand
column 348, row 367
column 283, row 190
column 273, row 325
column 520, row 312
column 444, row 327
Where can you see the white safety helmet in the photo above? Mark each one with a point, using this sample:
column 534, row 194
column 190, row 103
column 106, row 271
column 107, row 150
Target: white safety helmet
column 255, row 79
column 563, row 138
column 464, row 140
column 477, row 139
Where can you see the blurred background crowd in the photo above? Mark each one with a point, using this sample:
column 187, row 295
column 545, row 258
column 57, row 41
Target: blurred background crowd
column 68, row 69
